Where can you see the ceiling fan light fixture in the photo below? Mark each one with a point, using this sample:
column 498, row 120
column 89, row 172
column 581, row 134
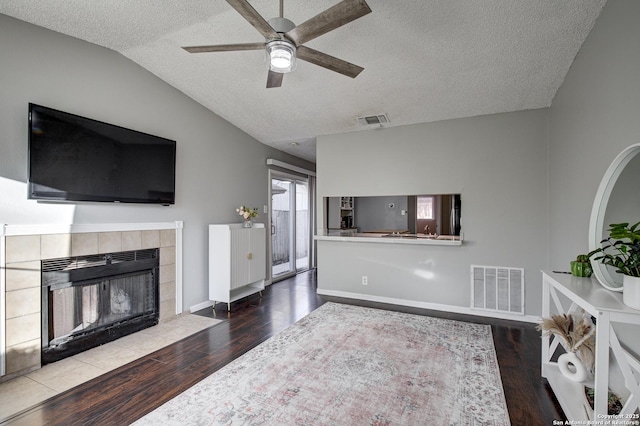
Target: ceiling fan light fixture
column 281, row 56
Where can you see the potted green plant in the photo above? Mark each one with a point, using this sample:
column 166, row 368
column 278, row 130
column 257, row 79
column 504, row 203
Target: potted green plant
column 581, row 267
column 622, row 252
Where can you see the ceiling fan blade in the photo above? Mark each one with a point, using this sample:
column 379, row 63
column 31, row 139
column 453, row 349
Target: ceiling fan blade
column 250, row 14
column 274, row 79
column 225, row 47
column 327, row 61
column 332, row 18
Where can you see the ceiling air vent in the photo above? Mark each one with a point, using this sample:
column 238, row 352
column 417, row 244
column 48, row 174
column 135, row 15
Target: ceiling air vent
column 373, row 120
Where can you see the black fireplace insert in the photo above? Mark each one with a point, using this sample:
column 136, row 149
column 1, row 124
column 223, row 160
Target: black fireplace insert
column 91, row 300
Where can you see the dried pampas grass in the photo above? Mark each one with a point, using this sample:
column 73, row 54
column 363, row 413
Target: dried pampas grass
column 577, row 335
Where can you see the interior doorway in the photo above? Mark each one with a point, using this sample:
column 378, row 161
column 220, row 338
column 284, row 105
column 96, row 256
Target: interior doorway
column 290, row 216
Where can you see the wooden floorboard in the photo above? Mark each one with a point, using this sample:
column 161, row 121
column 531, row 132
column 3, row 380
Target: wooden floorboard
column 128, row 393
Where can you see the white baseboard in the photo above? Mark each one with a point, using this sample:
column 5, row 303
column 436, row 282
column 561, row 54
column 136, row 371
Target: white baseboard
column 201, row 306
column 404, row 302
column 426, row 305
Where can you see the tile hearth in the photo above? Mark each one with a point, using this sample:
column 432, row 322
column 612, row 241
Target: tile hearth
column 25, row 391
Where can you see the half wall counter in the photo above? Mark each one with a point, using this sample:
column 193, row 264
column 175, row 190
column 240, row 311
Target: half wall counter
column 388, row 237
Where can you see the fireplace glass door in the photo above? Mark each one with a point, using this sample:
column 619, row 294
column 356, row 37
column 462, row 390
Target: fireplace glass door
column 79, row 309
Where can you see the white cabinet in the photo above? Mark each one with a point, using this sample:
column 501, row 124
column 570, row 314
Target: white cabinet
column 341, row 213
column 563, row 293
column 237, row 261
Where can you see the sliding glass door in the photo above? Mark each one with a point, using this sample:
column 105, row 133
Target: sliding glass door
column 290, row 224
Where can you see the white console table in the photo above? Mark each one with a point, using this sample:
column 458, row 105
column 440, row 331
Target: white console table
column 564, row 293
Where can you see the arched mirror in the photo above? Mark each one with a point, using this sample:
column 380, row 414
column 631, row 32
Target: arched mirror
column 617, row 200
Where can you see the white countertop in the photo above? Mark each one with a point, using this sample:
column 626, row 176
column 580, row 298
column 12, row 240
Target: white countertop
column 386, row 238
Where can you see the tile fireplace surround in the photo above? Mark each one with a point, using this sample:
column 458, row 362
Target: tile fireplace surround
column 23, row 247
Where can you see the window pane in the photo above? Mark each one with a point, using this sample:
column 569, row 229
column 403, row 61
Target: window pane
column 425, row 207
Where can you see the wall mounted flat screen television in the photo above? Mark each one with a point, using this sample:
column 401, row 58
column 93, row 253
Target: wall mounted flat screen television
column 72, row 158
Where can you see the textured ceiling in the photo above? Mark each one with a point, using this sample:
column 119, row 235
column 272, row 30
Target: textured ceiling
column 424, row 60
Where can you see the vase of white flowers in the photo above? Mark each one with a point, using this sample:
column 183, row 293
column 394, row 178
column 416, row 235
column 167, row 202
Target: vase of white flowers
column 248, row 215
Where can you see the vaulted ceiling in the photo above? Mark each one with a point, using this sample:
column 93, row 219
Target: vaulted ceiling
column 423, row 60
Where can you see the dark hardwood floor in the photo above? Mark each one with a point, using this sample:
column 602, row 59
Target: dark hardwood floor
column 126, row 394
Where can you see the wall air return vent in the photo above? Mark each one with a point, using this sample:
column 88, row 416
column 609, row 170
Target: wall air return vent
column 498, row 289
column 373, row 120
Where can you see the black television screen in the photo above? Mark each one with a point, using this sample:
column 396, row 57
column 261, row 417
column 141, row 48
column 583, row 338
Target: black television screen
column 72, row 158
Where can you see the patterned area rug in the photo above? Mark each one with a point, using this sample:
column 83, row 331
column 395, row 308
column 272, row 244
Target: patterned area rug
column 348, row 365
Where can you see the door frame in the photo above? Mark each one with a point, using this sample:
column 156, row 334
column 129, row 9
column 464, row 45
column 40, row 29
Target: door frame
column 272, row 173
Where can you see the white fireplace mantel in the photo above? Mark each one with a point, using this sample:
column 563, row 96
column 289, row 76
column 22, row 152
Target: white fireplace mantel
column 11, row 230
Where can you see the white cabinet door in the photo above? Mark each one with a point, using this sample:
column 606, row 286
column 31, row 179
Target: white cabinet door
column 247, row 256
column 258, row 255
column 240, row 253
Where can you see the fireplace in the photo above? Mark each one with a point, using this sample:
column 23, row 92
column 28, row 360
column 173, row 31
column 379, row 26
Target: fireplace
column 91, row 300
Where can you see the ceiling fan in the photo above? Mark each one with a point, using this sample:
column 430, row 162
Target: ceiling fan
column 284, row 40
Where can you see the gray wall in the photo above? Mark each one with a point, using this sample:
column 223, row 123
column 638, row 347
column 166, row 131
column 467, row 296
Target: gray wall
column 374, row 213
column 219, row 167
column 512, row 194
column 499, row 165
column 593, row 117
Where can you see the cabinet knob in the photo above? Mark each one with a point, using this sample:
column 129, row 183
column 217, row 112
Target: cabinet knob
column 250, row 256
